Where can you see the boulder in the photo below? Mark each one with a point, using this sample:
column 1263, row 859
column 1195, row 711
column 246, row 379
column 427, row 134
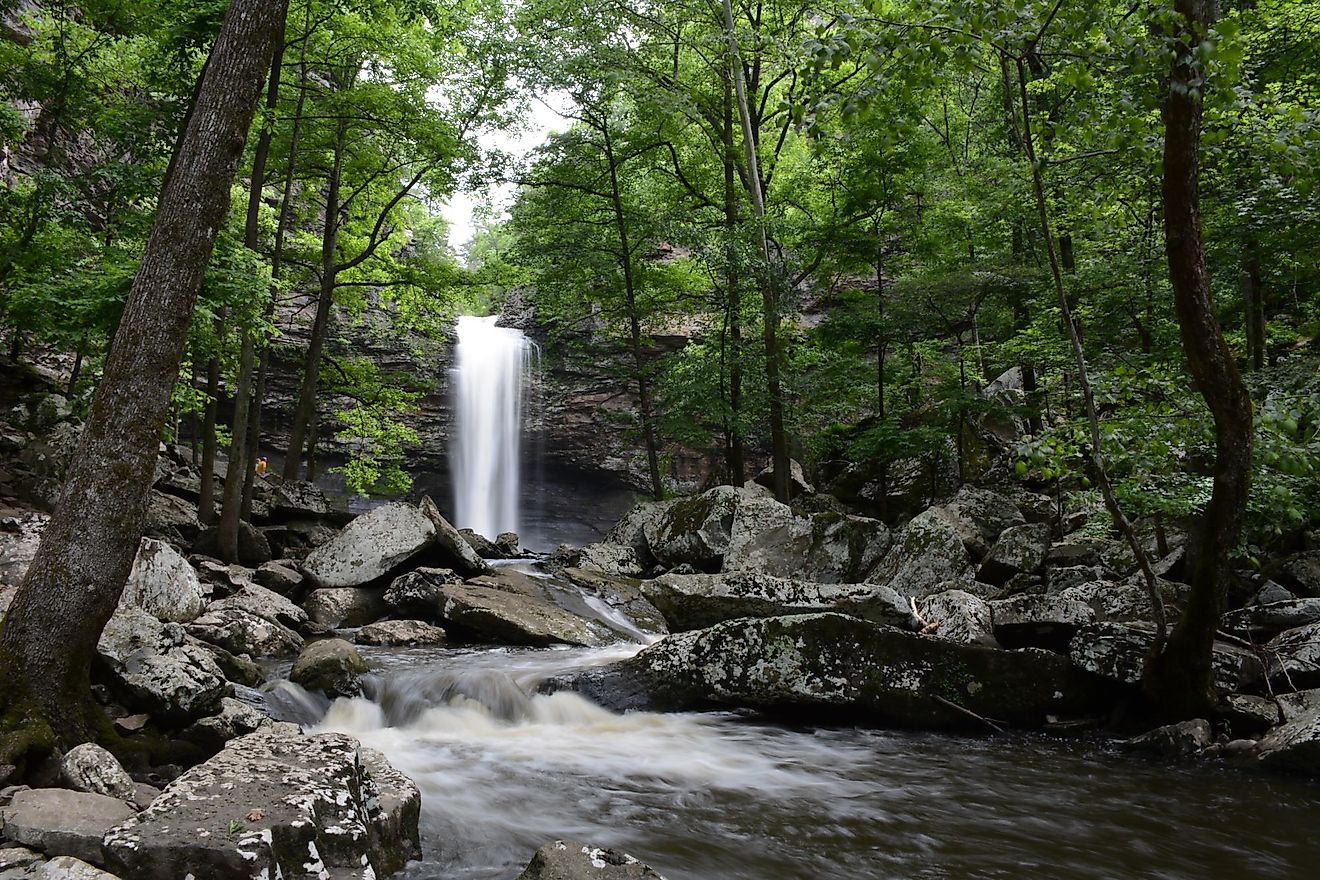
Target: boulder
column 1301, row 574
column 488, row 610
column 697, row 601
column 253, row 546
column 1117, row 652
column 958, row 616
column 91, row 769
column 265, row 604
column 234, row 719
column 1248, row 714
column 697, row 530
column 611, row 559
column 163, row 584
column 279, row 577
column 563, row 860
column 1038, row 621
column 69, row 868
column 276, row 803
column 770, row 538
column 1175, row 740
column 507, row 543
column 238, row 668
column 347, row 606
column 298, row 500
column 1293, row 747
column 242, row 632
column 1298, row 703
column 1269, row 593
column 60, row 822
column 832, row 662
column 417, row 593
column 1019, row 550
column 15, row 860
column 637, row 527
column 454, row 551
column 371, row 546
column 927, row 552
column 1069, row 554
column 978, row 516
column 619, row 604
column 484, row 547
column 331, row 666
column 171, row 518
column 19, row 538
column 1270, row 619
column 152, row 667
column 1127, row 601
column 797, row 481
column 1294, row 657
column 399, row 634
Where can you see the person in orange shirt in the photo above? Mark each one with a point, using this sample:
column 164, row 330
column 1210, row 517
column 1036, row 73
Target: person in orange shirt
column 261, row 466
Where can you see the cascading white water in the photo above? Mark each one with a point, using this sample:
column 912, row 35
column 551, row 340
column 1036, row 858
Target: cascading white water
column 487, row 453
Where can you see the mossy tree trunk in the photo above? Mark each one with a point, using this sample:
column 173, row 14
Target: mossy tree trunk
column 75, row 581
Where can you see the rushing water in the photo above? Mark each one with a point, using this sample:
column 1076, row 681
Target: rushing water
column 488, row 382
column 717, row 797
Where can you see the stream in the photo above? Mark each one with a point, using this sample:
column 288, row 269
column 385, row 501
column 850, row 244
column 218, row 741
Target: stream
column 716, row 795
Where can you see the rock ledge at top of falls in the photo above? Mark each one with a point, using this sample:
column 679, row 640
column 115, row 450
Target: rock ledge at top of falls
column 371, row 546
column 565, row 860
column 276, row 803
column 840, row 664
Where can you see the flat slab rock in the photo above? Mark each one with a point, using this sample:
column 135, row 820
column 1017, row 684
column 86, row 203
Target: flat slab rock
column 59, row 822
column 696, row 601
column 564, row 860
column 371, row 546
column 276, row 803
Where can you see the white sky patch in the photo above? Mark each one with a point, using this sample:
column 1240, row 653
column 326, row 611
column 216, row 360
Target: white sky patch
column 542, row 119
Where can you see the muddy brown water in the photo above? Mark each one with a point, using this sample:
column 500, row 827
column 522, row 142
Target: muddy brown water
column 706, row 796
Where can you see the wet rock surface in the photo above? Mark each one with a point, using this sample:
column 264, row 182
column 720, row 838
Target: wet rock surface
column 371, row 546
column 59, row 822
column 565, row 860
column 153, row 666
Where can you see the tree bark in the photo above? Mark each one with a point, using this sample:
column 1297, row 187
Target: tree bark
column 75, row 581
column 1253, row 304
column 735, row 457
column 1179, row 683
column 206, row 497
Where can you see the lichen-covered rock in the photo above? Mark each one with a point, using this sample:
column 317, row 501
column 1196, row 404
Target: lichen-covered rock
column 400, row 634
column 345, row 606
column 835, row 662
column 508, row 544
column 638, row 525
column 234, row 719
column 1248, row 714
column 163, row 584
column 563, row 860
column 484, row 547
column 1298, row 704
column 1270, row 619
column 298, row 500
column 1175, row 740
column 1020, row 549
column 978, row 516
column 1117, row 652
column 486, row 611
column 629, row 613
column 959, row 616
column 1301, row 574
column 1038, row 621
column 417, row 593
column 797, row 480
column 1293, row 747
column 610, row 559
column 771, row 538
column 69, row 868
column 264, row 603
column 19, row 538
column 276, row 803
column 242, row 632
column 696, row 531
column 1295, row 656
column 372, row 545
column 697, row 601
column 279, row 577
column 171, row 518
column 152, row 667
column 1113, row 601
column 926, row 553
column 60, row 822
column 455, row 552
column 332, row 666
column 90, row 768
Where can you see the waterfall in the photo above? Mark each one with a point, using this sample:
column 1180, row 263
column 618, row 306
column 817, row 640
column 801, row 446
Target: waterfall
column 487, row 451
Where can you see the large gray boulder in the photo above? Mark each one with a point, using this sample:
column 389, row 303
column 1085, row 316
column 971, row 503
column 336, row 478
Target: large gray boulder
column 978, row 516
column 958, row 616
column 171, row 518
column 1301, row 574
column 1295, row 656
column 153, row 667
column 771, row 538
column 298, row 500
column 619, row 603
column 60, row 822
column 417, row 593
column 163, row 584
column 564, row 860
column 241, row 632
column 264, row 603
column 832, row 662
column 1020, row 549
column 346, row 606
column 456, row 552
column 400, row 634
column 488, row 609
column 1117, row 652
column 616, row 559
column 1270, row 619
column 371, row 546
column 69, row 868
column 91, row 769
column 1175, row 740
column 637, row 527
column 234, row 719
column 1039, row 621
column 331, row 666
column 1293, row 746
column 276, row 803
column 697, row 601
column 696, row 531
column 926, row 553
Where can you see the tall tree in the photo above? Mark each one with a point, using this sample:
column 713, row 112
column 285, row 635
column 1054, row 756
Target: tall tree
column 73, row 585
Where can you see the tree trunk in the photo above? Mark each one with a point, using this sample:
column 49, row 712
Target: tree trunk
column 1254, row 305
column 769, row 296
column 206, row 499
column 305, row 413
column 239, row 463
column 1180, row 682
column 75, row 581
column 735, row 456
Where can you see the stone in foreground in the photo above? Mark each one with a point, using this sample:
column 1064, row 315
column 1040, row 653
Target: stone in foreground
column 90, row 768
column 276, row 803
column 696, row 601
column 59, row 822
column 1294, row 746
column 563, row 860
column 371, row 546
column 400, row 634
column 332, row 666
column 152, row 667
